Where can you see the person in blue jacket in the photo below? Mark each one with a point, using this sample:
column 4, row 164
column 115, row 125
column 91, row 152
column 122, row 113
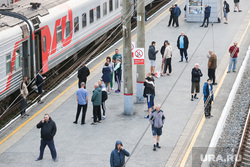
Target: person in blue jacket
column 177, row 13
column 207, row 12
column 208, row 97
column 117, row 157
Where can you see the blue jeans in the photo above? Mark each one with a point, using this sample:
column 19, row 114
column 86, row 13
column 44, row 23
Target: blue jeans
column 185, row 54
column 51, row 145
column 234, row 62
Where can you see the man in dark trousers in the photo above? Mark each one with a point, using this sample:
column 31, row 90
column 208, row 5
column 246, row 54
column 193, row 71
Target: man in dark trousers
column 83, row 73
column 177, row 13
column 207, row 12
column 97, row 102
column 171, row 10
column 152, row 57
column 182, row 44
column 196, row 75
column 212, row 65
column 24, row 93
column 39, row 83
column 48, row 131
column 208, row 97
column 117, row 157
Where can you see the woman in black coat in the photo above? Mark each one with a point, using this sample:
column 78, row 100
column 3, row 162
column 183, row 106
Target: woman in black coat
column 106, row 75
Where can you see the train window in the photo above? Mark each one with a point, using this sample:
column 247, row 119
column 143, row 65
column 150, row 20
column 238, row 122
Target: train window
column 84, row 20
column 105, row 8
column 76, row 23
column 17, row 60
column 8, row 64
column 59, row 34
column 91, row 16
column 116, row 4
column 98, row 12
column 67, row 29
column 44, row 44
column 110, row 5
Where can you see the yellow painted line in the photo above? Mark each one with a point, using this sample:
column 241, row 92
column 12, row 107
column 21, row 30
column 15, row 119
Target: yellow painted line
column 33, row 116
column 184, row 160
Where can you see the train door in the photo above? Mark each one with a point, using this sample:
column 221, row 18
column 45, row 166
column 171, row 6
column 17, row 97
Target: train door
column 25, row 59
column 38, row 50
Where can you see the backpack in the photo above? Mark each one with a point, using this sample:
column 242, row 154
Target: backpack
column 104, row 96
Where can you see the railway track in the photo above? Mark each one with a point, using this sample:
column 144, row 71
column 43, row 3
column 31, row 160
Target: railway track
column 243, row 154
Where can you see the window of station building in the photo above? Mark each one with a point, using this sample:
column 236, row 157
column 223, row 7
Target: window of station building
column 84, row 20
column 105, row 11
column 44, row 44
column 76, row 23
column 110, row 5
column 91, row 16
column 67, row 29
column 59, row 34
column 8, row 63
column 116, row 4
column 17, row 59
column 98, row 12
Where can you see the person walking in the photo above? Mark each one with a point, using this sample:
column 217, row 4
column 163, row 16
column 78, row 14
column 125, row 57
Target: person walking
column 226, row 10
column 39, row 83
column 207, row 12
column 212, row 65
column 177, row 13
column 157, row 119
column 48, row 131
column 82, row 100
column 182, row 44
column 117, row 157
column 196, row 75
column 106, row 77
column 24, row 93
column 111, row 66
column 162, row 54
column 152, row 57
column 208, row 97
column 168, row 58
column 237, row 5
column 233, row 50
column 83, row 73
column 97, row 101
column 118, row 74
column 149, row 93
column 171, row 10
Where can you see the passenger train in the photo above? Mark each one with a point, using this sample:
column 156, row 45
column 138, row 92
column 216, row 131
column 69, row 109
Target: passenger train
column 41, row 35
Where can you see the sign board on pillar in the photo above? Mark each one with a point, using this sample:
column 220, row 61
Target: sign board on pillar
column 139, row 56
column 133, row 48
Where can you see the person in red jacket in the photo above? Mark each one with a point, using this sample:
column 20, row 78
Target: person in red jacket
column 233, row 50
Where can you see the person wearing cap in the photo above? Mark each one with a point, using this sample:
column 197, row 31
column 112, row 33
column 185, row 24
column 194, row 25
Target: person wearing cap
column 168, row 57
column 196, row 75
column 118, row 74
column 182, row 44
column 177, row 13
column 152, row 57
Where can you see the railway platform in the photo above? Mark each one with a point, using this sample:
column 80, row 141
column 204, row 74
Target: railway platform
column 88, row 145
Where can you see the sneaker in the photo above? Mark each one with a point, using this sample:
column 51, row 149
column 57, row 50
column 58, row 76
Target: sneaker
column 215, row 84
column 154, row 148
column 240, row 10
column 26, row 115
column 38, row 159
column 75, row 122
column 235, row 11
column 181, row 61
column 112, row 88
column 225, row 23
column 192, row 99
column 146, row 117
column 234, row 71
column 196, row 97
column 93, row 123
column 201, row 26
column 206, row 26
column 157, row 145
column 228, row 71
column 117, row 91
column 103, row 117
column 186, row 61
column 55, row 159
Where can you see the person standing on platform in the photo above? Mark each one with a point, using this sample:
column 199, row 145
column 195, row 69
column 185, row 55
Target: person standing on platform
column 168, row 58
column 118, row 74
column 117, row 55
column 226, row 10
column 208, row 97
column 152, row 57
column 106, row 78
column 24, row 93
column 39, row 83
column 162, row 54
column 111, row 66
column 48, row 131
column 237, row 5
column 117, row 157
column 177, row 13
column 97, row 101
column 149, row 93
column 171, row 10
column 157, row 119
column 83, row 73
column 82, row 99
column 196, row 75
column 182, row 44
column 207, row 12
column 212, row 65
column 233, row 50
column 104, row 98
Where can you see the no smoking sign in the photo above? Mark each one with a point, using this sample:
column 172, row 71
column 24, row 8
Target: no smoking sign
column 139, row 56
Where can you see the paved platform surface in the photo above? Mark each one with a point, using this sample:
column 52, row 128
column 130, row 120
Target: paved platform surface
column 89, row 145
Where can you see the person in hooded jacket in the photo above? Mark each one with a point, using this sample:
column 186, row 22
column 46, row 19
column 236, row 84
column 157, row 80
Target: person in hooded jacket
column 196, row 75
column 207, row 12
column 97, row 101
column 48, row 131
column 152, row 57
column 208, row 97
column 83, row 73
column 162, row 54
column 117, row 157
column 149, row 93
column 171, row 10
column 106, row 75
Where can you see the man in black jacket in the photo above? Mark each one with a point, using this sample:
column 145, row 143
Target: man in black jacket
column 171, row 10
column 182, row 44
column 196, row 75
column 40, row 82
column 48, row 131
column 152, row 57
column 83, row 73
